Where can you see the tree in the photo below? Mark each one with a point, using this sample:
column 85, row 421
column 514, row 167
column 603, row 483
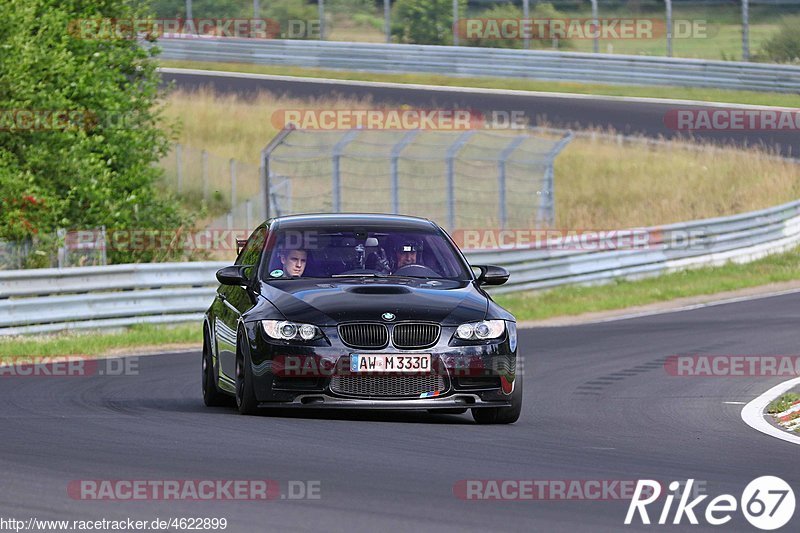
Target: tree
column 91, row 156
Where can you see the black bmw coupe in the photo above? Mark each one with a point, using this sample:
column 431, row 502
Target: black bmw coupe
column 360, row 311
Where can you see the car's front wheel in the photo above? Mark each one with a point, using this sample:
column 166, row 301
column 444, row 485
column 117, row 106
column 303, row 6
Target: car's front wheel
column 245, row 393
column 502, row 415
column 212, row 396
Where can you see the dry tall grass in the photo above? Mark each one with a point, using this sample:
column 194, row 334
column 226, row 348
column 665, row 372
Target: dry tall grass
column 599, row 183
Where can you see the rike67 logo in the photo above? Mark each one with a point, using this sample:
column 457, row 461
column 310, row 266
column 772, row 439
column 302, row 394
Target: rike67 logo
column 767, row 503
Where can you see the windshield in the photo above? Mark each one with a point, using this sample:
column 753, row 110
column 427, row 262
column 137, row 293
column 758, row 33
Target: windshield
column 371, row 252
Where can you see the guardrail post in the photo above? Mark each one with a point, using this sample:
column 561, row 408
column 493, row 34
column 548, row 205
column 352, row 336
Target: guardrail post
column 501, row 177
column 337, row 179
column 452, row 150
column 396, row 150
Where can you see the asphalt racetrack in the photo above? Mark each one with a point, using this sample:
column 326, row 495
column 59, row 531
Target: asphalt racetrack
column 625, row 116
column 599, row 405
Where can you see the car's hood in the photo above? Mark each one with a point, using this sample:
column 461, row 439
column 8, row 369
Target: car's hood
column 329, row 302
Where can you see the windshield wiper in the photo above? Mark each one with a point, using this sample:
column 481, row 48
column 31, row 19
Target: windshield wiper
column 364, row 275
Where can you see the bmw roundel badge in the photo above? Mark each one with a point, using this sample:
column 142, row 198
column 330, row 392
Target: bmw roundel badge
column 388, row 316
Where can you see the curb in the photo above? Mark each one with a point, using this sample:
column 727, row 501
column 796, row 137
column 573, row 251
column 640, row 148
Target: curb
column 754, row 413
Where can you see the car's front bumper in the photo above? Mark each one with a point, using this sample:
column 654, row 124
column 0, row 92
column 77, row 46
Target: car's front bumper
column 325, row 401
column 477, row 375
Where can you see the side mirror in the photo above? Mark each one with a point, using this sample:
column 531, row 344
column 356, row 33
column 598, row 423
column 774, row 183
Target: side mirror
column 492, row 275
column 232, row 275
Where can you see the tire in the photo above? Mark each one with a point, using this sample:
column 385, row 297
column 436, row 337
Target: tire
column 502, row 415
column 246, row 401
column 212, row 396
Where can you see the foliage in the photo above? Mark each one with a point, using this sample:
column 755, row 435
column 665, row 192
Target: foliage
column 784, row 45
column 95, row 165
column 424, row 21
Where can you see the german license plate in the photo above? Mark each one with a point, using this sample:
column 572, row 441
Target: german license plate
column 390, row 363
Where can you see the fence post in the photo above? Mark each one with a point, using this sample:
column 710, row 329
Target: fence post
column 596, row 23
column 266, row 153
column 233, row 184
column 179, row 165
column 61, row 259
column 745, row 30
column 337, row 179
column 669, row 27
column 321, row 11
column 103, row 255
column 546, row 213
column 452, row 150
column 387, row 19
column 204, row 161
column 396, row 150
column 455, row 22
column 248, row 213
column 526, row 13
column 501, row 177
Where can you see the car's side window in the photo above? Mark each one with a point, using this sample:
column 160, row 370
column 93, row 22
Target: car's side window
column 251, row 253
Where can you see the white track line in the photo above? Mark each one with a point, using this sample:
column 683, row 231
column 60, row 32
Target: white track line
column 753, row 412
column 460, row 89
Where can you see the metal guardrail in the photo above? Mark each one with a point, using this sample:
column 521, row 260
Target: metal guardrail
column 42, row 300
column 496, row 62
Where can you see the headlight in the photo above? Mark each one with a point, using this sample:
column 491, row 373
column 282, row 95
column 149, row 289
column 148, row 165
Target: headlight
column 283, row 330
column 487, row 329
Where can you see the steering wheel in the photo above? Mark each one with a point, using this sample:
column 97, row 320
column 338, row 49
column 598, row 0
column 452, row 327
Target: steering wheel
column 419, row 271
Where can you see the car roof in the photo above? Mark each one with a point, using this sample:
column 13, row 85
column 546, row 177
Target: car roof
column 400, row 222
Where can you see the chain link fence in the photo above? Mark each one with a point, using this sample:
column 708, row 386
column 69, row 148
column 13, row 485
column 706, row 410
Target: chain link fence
column 458, row 178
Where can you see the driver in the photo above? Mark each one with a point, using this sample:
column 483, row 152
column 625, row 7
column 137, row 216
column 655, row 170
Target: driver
column 406, row 252
column 294, row 262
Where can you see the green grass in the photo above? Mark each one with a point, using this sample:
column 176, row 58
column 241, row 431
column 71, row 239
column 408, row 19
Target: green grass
column 781, row 404
column 574, row 300
column 100, row 343
column 687, row 93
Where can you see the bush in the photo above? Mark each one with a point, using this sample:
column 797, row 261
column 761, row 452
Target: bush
column 99, row 168
column 784, row 45
column 424, row 21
